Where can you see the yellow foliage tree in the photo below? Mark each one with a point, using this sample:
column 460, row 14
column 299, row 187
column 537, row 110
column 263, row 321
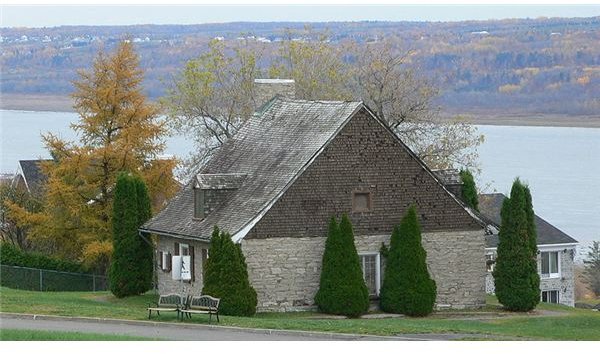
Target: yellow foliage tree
column 118, row 130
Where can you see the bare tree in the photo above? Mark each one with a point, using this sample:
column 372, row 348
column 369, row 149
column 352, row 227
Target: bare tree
column 211, row 97
column 387, row 81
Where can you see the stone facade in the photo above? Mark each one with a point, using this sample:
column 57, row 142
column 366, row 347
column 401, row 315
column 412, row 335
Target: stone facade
column 285, row 272
column 564, row 283
column 166, row 284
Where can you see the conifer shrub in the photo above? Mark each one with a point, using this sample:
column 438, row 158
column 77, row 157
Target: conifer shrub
column 407, row 286
column 516, row 279
column 342, row 289
column 226, row 276
column 131, row 263
column 469, row 189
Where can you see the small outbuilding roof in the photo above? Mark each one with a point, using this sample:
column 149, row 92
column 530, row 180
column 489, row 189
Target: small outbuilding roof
column 32, row 174
column 547, row 234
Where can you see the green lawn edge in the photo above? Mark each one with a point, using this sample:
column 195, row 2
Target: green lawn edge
column 560, row 322
column 42, row 335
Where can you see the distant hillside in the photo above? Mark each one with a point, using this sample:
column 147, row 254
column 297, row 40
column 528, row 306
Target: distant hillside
column 518, row 66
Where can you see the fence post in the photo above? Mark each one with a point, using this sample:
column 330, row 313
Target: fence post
column 41, row 281
column 93, row 282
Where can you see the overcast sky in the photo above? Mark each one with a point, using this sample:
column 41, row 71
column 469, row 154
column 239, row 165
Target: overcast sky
column 55, row 15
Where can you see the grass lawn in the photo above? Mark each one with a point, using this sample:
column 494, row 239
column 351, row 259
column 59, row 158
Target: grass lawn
column 25, row 334
column 563, row 323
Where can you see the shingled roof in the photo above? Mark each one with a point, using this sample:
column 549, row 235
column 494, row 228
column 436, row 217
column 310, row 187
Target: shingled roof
column 32, row 174
column 271, row 150
column 547, row 234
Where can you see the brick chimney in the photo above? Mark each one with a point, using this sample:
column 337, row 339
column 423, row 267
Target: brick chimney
column 265, row 89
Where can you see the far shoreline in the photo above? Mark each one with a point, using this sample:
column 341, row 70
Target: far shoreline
column 58, row 103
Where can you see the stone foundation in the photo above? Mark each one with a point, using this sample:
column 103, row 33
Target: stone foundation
column 285, row 272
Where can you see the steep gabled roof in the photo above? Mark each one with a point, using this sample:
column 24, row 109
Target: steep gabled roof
column 547, row 234
column 271, row 149
column 32, row 174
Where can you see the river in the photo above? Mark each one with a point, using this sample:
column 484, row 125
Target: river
column 561, row 165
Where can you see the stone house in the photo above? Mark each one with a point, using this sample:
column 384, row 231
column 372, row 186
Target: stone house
column 556, row 254
column 291, row 167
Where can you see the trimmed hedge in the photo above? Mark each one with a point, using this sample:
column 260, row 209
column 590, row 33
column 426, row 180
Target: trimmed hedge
column 226, row 276
column 407, row 286
column 131, row 264
column 11, row 255
column 342, row 289
column 516, row 279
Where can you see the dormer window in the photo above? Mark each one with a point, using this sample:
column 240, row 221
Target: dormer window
column 211, row 190
column 198, row 203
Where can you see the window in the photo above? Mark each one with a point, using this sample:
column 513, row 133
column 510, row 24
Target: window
column 551, row 296
column 490, row 262
column 550, row 265
column 370, row 264
column 184, row 249
column 198, row 203
column 361, row 202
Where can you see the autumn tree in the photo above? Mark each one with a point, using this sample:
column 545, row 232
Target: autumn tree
column 316, row 66
column 118, row 130
column 10, row 230
column 211, row 97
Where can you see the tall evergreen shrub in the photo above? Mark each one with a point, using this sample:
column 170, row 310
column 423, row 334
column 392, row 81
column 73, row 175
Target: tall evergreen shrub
column 342, row 289
column 469, row 189
column 516, row 278
column 407, row 286
column 131, row 263
column 226, row 277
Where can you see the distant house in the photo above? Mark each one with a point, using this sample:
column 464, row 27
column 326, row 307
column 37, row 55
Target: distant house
column 275, row 185
column 556, row 253
column 29, row 176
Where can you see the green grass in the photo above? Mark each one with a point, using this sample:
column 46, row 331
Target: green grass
column 564, row 323
column 29, row 335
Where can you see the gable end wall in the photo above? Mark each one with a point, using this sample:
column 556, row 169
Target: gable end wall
column 364, row 156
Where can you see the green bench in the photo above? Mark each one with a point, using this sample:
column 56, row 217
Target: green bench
column 167, row 303
column 203, row 304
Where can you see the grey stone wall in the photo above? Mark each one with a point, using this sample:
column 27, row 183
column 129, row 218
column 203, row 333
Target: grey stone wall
column 565, row 284
column 166, row 284
column 285, row 271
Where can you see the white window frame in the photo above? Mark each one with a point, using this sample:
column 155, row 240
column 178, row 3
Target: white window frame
column 377, row 268
column 558, row 260
column 183, row 246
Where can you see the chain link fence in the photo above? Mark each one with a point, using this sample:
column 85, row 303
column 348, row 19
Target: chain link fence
column 50, row 280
